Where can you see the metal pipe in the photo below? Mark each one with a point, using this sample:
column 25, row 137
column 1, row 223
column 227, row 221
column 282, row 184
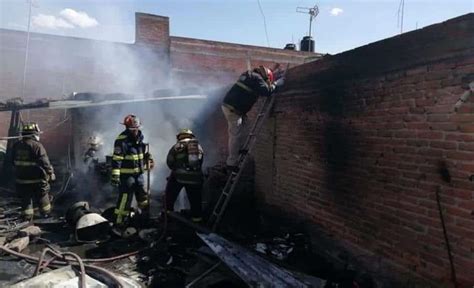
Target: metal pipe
column 148, row 172
column 187, row 222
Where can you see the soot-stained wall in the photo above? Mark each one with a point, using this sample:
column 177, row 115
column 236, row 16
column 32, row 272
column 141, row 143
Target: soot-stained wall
column 359, row 143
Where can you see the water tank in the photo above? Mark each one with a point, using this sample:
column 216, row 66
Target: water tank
column 307, row 44
column 290, row 46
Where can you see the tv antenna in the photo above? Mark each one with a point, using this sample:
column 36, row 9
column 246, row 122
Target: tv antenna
column 313, row 12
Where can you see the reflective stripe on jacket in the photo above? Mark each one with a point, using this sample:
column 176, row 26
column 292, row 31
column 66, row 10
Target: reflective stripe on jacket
column 179, row 162
column 128, row 154
column 245, row 92
column 31, row 162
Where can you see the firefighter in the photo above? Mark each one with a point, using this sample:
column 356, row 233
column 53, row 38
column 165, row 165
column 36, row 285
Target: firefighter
column 239, row 100
column 91, row 170
column 90, row 156
column 33, row 171
column 185, row 161
column 128, row 166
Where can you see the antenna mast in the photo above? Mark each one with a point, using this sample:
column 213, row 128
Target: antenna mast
column 313, row 12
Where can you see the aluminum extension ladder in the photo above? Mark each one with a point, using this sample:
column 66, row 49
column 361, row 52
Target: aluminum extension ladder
column 234, row 177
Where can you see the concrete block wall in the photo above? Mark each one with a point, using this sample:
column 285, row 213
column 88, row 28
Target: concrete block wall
column 359, row 143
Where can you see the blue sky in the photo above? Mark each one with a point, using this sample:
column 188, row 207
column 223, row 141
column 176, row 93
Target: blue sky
column 340, row 25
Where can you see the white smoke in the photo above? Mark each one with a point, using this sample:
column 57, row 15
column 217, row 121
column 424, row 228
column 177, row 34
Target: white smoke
column 128, row 71
column 123, row 68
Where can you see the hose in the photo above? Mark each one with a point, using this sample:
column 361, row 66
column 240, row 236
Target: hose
column 82, row 278
column 63, row 190
column 14, row 229
column 7, row 189
column 165, row 220
column 56, row 263
column 114, row 258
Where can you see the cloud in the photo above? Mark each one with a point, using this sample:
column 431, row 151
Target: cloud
column 50, row 21
column 78, row 18
column 336, row 11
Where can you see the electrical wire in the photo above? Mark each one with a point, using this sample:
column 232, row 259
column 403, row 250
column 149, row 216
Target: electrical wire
column 264, row 22
column 26, row 54
column 47, row 130
column 400, row 13
column 446, row 239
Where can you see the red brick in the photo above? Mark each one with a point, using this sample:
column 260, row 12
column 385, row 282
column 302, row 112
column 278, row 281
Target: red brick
column 430, row 135
column 459, row 137
column 444, row 145
column 443, row 126
column 414, row 118
column 466, row 146
column 466, row 128
column 469, row 118
column 467, row 205
column 466, row 156
column 438, row 109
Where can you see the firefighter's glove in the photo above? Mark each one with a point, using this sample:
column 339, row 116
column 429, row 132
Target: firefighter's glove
column 52, row 177
column 280, row 82
column 149, row 160
column 115, row 180
column 151, row 164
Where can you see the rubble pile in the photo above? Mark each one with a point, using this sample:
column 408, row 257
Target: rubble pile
column 161, row 254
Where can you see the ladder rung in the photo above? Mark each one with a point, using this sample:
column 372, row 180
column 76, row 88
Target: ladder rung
column 229, row 187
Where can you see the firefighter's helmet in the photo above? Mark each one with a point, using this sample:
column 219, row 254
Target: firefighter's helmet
column 131, row 121
column 265, row 72
column 30, row 128
column 185, row 133
column 94, row 141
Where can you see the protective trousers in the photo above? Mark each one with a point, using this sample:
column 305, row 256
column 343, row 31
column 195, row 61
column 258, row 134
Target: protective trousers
column 238, row 128
column 37, row 193
column 173, row 187
column 130, row 185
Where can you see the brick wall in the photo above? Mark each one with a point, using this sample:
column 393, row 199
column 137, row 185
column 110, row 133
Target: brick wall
column 58, row 66
column 152, row 29
column 216, row 65
column 219, row 63
column 359, row 142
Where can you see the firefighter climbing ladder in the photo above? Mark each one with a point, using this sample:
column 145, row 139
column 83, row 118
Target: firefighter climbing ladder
column 234, row 177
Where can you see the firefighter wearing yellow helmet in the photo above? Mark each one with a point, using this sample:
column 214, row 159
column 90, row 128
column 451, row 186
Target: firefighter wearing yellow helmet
column 33, row 171
column 185, row 161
